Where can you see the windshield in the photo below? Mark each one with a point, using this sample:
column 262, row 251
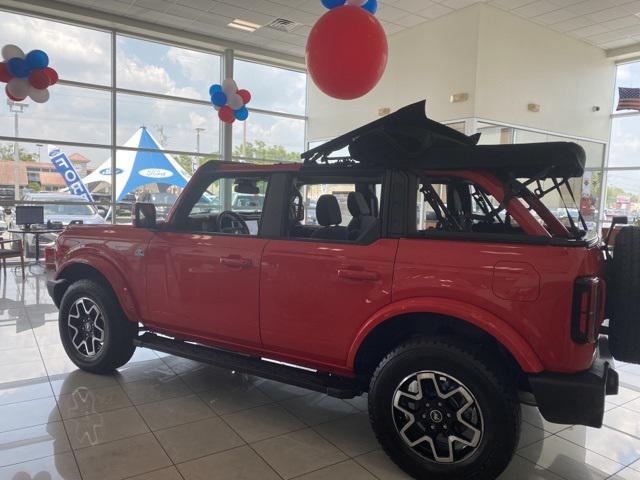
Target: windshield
column 249, row 202
column 78, row 210
column 163, row 198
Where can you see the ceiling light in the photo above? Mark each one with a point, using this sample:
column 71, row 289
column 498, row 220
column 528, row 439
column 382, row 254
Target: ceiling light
column 244, row 25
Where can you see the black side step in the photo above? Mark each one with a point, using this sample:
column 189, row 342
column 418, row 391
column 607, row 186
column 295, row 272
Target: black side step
column 333, row 385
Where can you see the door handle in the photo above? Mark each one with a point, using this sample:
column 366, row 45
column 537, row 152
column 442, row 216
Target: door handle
column 363, row 275
column 235, row 262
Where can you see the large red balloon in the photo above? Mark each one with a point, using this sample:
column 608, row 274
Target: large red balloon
column 347, row 52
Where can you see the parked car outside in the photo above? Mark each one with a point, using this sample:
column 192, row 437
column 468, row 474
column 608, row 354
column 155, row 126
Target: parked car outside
column 74, row 209
column 162, row 200
column 3, row 222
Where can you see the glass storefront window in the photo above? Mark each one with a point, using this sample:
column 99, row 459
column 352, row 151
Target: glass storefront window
column 165, row 69
column 146, row 72
column 625, row 142
column 76, row 53
column 268, row 137
column 173, row 124
column 72, row 114
column 623, row 195
column 272, row 88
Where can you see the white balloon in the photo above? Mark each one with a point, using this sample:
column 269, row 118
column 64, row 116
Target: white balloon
column 217, row 108
column 18, row 87
column 229, row 86
column 39, row 96
column 10, row 51
column 235, row 101
column 356, row 3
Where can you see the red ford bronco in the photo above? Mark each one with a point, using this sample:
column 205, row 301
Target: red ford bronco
column 401, row 260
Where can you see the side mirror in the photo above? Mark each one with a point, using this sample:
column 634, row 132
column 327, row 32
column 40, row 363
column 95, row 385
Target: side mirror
column 144, row 215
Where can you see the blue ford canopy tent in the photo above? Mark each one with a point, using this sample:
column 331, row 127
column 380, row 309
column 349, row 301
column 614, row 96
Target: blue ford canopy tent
column 135, row 169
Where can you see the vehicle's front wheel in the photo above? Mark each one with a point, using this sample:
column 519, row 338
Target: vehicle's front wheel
column 444, row 410
column 94, row 330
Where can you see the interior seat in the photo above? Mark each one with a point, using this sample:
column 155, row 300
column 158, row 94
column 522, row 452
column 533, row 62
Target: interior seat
column 362, row 222
column 329, row 216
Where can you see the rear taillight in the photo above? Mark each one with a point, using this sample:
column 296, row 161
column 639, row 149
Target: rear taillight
column 588, row 300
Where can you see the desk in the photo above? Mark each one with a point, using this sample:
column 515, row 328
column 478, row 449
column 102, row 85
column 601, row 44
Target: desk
column 36, row 233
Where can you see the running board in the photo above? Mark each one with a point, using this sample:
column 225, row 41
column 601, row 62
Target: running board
column 335, row 386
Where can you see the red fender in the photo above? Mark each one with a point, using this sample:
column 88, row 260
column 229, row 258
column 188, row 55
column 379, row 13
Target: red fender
column 113, row 275
column 494, row 326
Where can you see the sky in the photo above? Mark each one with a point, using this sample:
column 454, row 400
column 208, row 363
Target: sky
column 83, row 115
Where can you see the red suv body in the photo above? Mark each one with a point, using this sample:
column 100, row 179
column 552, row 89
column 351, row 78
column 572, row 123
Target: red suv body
column 518, row 283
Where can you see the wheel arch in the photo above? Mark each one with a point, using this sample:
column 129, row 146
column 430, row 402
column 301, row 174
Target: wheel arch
column 102, row 271
column 425, row 316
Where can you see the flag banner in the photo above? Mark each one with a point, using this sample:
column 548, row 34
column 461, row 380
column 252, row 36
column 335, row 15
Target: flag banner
column 629, row 98
column 66, row 169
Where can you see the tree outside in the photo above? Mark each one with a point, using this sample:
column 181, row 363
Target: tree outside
column 6, row 153
column 259, row 150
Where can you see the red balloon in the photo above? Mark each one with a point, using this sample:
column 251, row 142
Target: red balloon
column 5, row 76
column 246, row 96
column 226, row 114
column 39, row 79
column 52, row 74
column 11, row 97
column 347, row 52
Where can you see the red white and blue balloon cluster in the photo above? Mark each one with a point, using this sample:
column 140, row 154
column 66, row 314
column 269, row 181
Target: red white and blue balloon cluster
column 230, row 102
column 26, row 75
column 369, row 5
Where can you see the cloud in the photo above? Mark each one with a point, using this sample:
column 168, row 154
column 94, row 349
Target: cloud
column 76, row 53
column 196, row 66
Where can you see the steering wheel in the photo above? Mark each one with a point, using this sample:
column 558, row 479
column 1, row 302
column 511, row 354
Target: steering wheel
column 231, row 222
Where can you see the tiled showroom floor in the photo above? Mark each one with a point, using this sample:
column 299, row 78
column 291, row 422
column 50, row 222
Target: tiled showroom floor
column 165, row 418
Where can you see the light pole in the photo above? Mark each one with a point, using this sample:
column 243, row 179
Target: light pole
column 16, row 108
column 194, row 162
column 39, row 145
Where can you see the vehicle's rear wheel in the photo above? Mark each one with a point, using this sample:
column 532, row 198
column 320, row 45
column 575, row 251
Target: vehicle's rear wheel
column 94, row 330
column 623, row 296
column 445, row 410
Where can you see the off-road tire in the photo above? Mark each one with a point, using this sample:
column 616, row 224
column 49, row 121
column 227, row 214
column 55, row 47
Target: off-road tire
column 485, row 378
column 623, row 296
column 117, row 347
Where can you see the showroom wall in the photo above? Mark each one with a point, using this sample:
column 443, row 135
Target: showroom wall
column 565, row 76
column 473, row 51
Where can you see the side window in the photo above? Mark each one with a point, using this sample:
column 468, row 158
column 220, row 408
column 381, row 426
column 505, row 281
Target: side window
column 455, row 205
column 231, row 206
column 338, row 211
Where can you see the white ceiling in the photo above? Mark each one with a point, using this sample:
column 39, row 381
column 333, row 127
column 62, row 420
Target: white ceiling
column 607, row 24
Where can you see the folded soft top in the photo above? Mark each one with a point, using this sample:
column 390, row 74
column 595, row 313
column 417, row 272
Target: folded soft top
column 408, row 139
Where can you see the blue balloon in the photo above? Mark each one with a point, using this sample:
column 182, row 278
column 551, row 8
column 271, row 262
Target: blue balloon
column 371, row 6
column 37, row 59
column 18, row 67
column 219, row 99
column 333, row 3
column 241, row 114
column 214, row 89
